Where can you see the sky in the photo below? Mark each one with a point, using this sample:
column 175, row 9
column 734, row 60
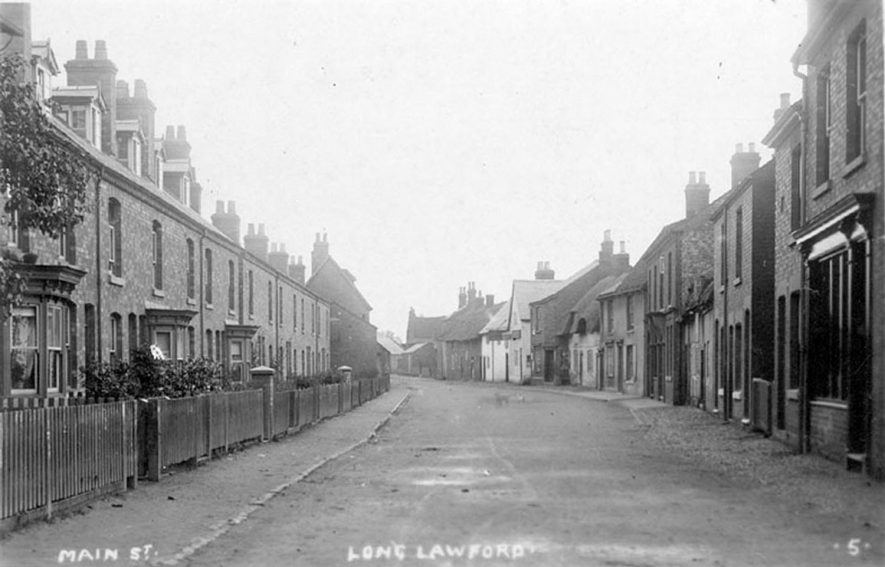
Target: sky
column 439, row 142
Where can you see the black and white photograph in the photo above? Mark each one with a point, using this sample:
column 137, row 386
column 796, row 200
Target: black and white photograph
column 442, row 283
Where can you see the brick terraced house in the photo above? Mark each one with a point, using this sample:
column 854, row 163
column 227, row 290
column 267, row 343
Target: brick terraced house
column 829, row 239
column 144, row 266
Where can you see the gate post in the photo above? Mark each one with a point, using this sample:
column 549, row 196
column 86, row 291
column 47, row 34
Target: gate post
column 262, row 376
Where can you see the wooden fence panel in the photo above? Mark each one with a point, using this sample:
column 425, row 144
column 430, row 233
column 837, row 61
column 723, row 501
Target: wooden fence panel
column 51, row 454
column 177, row 431
column 306, row 408
column 280, row 411
column 246, row 415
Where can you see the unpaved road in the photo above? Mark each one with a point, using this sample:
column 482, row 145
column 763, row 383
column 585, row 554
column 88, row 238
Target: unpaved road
column 472, row 474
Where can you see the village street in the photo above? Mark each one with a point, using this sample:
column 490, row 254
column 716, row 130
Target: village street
column 479, row 474
column 492, row 475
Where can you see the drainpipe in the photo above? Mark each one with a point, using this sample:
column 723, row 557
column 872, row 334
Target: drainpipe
column 201, row 305
column 804, row 398
column 98, row 270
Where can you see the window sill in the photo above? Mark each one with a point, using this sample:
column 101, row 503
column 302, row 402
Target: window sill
column 820, row 189
column 116, row 280
column 251, row 317
column 832, row 404
column 721, row 288
column 854, row 165
column 793, row 395
column 736, row 282
column 231, row 312
column 191, row 301
column 737, row 396
column 210, row 306
column 159, row 293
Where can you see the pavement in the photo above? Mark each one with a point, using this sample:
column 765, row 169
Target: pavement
column 163, row 523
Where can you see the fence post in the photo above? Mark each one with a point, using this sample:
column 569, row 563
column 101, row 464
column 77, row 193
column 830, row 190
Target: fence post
column 153, row 439
column 263, row 377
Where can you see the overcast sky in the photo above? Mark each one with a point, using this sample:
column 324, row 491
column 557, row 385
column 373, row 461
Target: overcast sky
column 441, row 142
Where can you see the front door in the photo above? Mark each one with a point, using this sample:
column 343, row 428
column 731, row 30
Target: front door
column 548, row 366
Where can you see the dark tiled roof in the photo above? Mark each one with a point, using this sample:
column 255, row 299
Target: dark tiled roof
column 465, row 324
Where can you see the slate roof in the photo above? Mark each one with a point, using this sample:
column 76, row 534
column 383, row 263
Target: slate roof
column 498, row 321
column 587, row 307
column 390, row 345
column 527, row 291
column 330, row 265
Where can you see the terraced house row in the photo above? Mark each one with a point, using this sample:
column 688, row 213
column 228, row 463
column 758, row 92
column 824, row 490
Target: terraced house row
column 145, row 266
column 765, row 306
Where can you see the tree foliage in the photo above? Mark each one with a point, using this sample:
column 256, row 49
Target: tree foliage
column 43, row 177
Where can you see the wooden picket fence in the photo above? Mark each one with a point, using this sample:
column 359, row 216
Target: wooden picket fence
column 61, row 454
column 53, row 457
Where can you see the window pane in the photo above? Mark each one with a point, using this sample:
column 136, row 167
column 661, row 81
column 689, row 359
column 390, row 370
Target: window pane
column 23, row 351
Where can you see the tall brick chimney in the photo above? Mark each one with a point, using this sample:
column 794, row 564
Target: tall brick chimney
column 544, row 272
column 296, row 271
column 621, row 260
column 743, row 163
column 490, row 300
column 697, row 193
column 139, row 107
column 256, row 244
column 319, row 253
column 100, row 71
column 228, row 222
column 606, row 249
column 279, row 258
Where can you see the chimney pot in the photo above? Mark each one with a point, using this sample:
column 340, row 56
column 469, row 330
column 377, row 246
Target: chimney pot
column 261, row 229
column 101, row 49
column 300, row 260
column 692, row 178
column 607, row 235
column 751, row 148
column 232, row 207
column 273, row 247
column 282, row 247
column 325, row 237
column 251, row 229
column 140, row 89
column 702, row 177
column 622, row 247
column 318, row 237
column 182, row 133
column 170, row 132
column 122, row 89
column 219, row 207
column 82, row 51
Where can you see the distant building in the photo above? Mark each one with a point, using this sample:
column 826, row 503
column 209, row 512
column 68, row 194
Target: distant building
column 519, row 322
column 459, row 340
column 582, row 327
column 551, row 326
column 495, row 351
column 743, row 286
column 353, row 337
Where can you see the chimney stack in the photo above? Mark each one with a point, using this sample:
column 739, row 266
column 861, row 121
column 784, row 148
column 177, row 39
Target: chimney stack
column 228, row 222
column 697, row 193
column 490, row 300
column 462, row 297
column 101, row 71
column 743, row 163
column 621, row 260
column 544, row 272
column 296, row 271
column 279, row 258
column 606, row 249
column 320, row 252
column 256, row 244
